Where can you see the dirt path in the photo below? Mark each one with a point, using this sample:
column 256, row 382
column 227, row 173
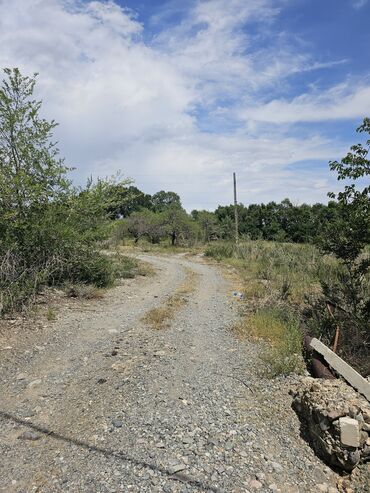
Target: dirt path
column 99, row 402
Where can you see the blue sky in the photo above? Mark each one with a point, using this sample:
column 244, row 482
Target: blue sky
column 178, row 95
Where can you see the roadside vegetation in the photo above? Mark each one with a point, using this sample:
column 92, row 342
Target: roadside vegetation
column 275, row 278
column 322, row 290
column 51, row 232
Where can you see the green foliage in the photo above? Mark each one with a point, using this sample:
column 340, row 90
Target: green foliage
column 208, row 224
column 291, row 270
column 126, row 200
column 144, row 223
column 177, row 224
column 347, row 287
column 163, row 200
column 282, row 222
column 172, row 222
column 280, row 329
column 48, row 230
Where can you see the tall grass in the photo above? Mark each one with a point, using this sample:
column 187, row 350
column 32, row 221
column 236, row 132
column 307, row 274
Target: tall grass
column 291, row 269
column 277, row 277
column 281, row 330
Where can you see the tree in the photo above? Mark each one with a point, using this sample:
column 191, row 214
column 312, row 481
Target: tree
column 208, row 224
column 127, row 199
column 48, row 229
column 146, row 223
column 31, row 173
column 177, row 223
column 347, row 287
column 163, row 200
column 353, row 224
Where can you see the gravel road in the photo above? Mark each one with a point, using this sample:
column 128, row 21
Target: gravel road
column 99, row 402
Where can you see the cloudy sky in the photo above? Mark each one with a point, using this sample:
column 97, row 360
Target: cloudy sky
column 179, row 94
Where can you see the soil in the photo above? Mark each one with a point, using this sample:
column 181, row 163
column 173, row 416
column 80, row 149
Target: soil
column 98, row 401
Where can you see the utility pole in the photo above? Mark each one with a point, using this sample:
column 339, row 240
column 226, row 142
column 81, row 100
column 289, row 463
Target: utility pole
column 236, row 212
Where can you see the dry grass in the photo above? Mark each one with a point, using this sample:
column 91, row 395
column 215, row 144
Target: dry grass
column 145, row 269
column 159, row 317
column 268, row 267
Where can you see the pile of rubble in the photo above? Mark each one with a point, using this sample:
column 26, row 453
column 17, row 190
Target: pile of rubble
column 337, row 419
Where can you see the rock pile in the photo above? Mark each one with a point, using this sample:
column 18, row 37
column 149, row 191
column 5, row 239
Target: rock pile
column 337, row 419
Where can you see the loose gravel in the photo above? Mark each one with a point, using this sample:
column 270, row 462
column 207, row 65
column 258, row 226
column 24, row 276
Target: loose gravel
column 99, row 402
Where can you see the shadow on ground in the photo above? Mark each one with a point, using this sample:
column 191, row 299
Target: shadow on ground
column 184, row 478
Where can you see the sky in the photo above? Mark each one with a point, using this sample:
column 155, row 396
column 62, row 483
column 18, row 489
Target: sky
column 177, row 95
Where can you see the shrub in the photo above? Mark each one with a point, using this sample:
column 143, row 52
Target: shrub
column 49, row 231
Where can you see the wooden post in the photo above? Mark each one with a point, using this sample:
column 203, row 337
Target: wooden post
column 337, row 330
column 236, row 212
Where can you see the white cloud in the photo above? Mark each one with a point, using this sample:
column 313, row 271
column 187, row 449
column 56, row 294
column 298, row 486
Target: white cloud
column 358, row 4
column 344, row 101
column 123, row 104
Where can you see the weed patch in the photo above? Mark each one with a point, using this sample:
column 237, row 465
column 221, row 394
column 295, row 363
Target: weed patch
column 283, row 353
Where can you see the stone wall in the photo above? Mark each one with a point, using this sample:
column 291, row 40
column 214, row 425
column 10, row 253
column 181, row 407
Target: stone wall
column 337, row 420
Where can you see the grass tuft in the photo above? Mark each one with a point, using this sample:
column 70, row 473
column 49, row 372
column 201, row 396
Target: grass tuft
column 51, row 314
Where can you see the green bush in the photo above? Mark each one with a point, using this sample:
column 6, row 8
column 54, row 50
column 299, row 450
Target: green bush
column 50, row 232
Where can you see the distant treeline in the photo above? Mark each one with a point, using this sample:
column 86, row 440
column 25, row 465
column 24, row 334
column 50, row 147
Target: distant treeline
column 162, row 214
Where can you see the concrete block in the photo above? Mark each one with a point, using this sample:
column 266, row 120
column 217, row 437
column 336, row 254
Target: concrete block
column 349, row 432
column 343, row 368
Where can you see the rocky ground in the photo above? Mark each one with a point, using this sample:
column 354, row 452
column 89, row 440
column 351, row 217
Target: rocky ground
column 99, row 402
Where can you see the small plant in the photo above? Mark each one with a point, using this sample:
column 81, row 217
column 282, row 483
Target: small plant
column 285, row 289
column 51, row 314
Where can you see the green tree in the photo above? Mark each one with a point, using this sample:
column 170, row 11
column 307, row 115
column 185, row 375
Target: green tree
column 208, row 224
column 146, row 223
column 347, row 236
column 31, row 173
column 127, row 199
column 177, row 223
column 163, row 200
column 48, row 229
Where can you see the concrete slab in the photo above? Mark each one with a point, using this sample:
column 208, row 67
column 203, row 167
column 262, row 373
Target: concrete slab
column 344, row 369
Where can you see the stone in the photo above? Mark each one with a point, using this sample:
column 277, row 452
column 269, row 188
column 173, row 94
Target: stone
column 21, row 376
column 34, row 383
column 255, row 485
column 117, row 423
column 349, row 432
column 354, row 457
column 260, row 476
column 318, row 475
column 322, row 488
column 334, row 414
column 277, row 467
column 176, row 468
column 29, row 435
